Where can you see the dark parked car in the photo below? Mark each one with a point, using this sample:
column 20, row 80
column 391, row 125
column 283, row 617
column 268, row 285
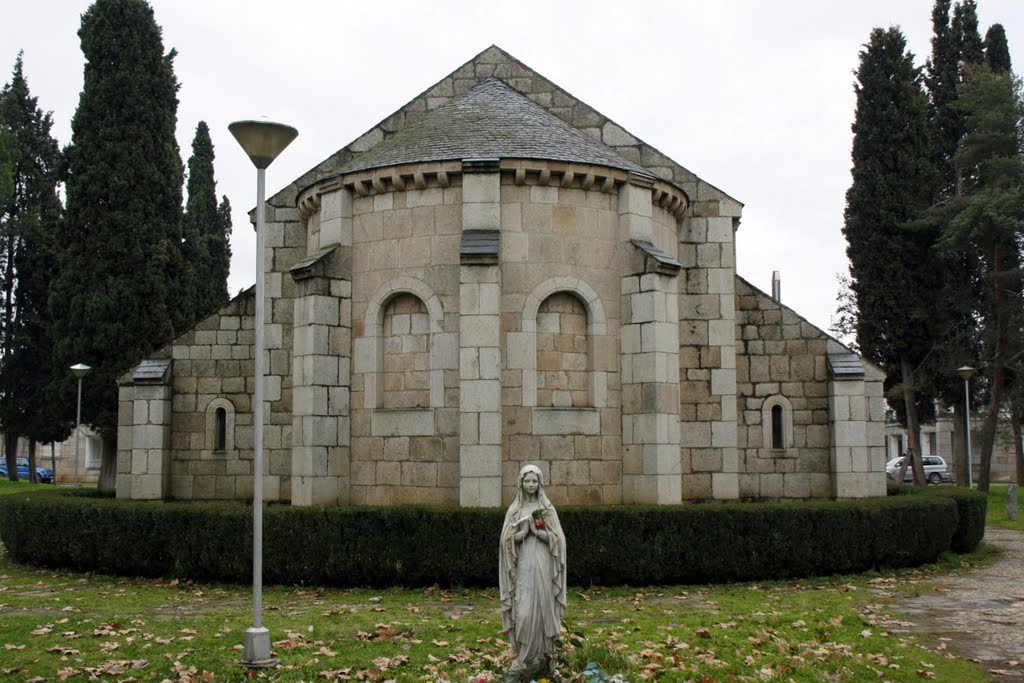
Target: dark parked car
column 45, row 473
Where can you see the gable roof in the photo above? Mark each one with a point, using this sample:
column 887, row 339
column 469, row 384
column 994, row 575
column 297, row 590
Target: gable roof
column 490, row 120
column 571, row 113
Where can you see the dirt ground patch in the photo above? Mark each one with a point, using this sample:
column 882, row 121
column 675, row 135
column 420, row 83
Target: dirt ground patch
column 980, row 614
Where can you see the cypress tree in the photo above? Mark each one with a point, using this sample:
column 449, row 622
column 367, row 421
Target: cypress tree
column 997, row 50
column 6, row 166
column 955, row 44
column 120, row 261
column 205, row 249
column 892, row 277
column 943, row 75
column 29, row 217
column 965, row 28
column 220, row 252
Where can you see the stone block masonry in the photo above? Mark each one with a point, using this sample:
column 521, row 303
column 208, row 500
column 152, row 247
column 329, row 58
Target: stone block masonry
column 479, row 348
column 499, row 274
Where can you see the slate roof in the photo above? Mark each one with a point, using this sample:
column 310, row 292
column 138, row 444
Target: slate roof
column 489, row 120
column 658, row 255
column 151, row 371
column 846, row 366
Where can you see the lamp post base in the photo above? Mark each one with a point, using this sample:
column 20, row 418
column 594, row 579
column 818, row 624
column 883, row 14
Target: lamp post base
column 257, row 653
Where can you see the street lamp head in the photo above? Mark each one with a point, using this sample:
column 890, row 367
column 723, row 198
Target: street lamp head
column 262, row 140
column 966, row 372
column 80, row 370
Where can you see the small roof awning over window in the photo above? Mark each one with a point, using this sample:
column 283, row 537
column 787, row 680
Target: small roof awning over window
column 151, row 372
column 311, row 265
column 846, row 366
column 480, row 247
column 658, row 261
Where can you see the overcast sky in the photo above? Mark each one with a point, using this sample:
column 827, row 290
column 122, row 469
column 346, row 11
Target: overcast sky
column 754, row 97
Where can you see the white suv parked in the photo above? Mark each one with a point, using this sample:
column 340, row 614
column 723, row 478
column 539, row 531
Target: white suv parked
column 935, row 469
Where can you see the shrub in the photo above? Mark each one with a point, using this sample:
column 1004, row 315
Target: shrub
column 420, row 545
column 971, row 507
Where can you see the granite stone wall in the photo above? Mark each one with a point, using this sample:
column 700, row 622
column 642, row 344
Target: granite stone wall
column 606, row 338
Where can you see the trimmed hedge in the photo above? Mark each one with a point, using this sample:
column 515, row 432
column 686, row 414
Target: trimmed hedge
column 971, row 507
column 419, row 545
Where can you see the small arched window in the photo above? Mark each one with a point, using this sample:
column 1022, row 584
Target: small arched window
column 221, row 418
column 778, row 427
column 220, row 426
column 777, row 423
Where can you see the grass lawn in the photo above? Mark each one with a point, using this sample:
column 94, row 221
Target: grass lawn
column 996, row 513
column 58, row 625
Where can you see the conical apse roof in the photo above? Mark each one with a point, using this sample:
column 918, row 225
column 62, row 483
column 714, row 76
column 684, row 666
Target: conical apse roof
column 491, row 120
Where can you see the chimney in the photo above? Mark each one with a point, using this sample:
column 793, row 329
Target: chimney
column 776, row 286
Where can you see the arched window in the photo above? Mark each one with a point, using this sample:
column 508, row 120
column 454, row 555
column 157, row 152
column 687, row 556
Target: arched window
column 220, row 426
column 777, row 423
column 778, row 427
column 562, row 365
column 221, row 418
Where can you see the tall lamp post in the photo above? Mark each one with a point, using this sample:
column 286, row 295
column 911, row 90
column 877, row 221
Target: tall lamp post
column 79, row 370
column 966, row 372
column 262, row 141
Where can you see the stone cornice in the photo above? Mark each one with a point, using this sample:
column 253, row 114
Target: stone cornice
column 425, row 175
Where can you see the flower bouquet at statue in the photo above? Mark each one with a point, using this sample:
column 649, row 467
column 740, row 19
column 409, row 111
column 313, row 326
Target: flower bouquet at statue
column 538, row 518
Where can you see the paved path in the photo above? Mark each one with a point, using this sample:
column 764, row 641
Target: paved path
column 981, row 611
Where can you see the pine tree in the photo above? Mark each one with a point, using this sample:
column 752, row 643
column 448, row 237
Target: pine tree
column 28, row 222
column 205, row 247
column 892, row 276
column 987, row 218
column 120, row 261
column 997, row 57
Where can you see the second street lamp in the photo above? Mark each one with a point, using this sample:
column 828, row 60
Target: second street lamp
column 79, row 370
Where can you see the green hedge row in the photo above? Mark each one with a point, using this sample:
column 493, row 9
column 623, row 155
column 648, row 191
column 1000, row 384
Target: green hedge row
column 971, row 507
column 416, row 546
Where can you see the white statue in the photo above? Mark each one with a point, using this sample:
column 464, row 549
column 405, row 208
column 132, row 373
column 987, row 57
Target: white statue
column 531, row 565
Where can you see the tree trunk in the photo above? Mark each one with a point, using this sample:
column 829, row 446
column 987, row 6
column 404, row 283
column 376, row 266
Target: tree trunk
column 33, row 476
column 11, row 449
column 988, row 438
column 1018, row 447
column 913, row 425
column 960, row 444
column 988, row 435
column 108, row 468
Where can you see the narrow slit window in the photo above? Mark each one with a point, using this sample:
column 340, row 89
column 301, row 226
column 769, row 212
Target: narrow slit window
column 778, row 437
column 222, row 429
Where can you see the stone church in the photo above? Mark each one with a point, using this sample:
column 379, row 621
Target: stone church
column 498, row 274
